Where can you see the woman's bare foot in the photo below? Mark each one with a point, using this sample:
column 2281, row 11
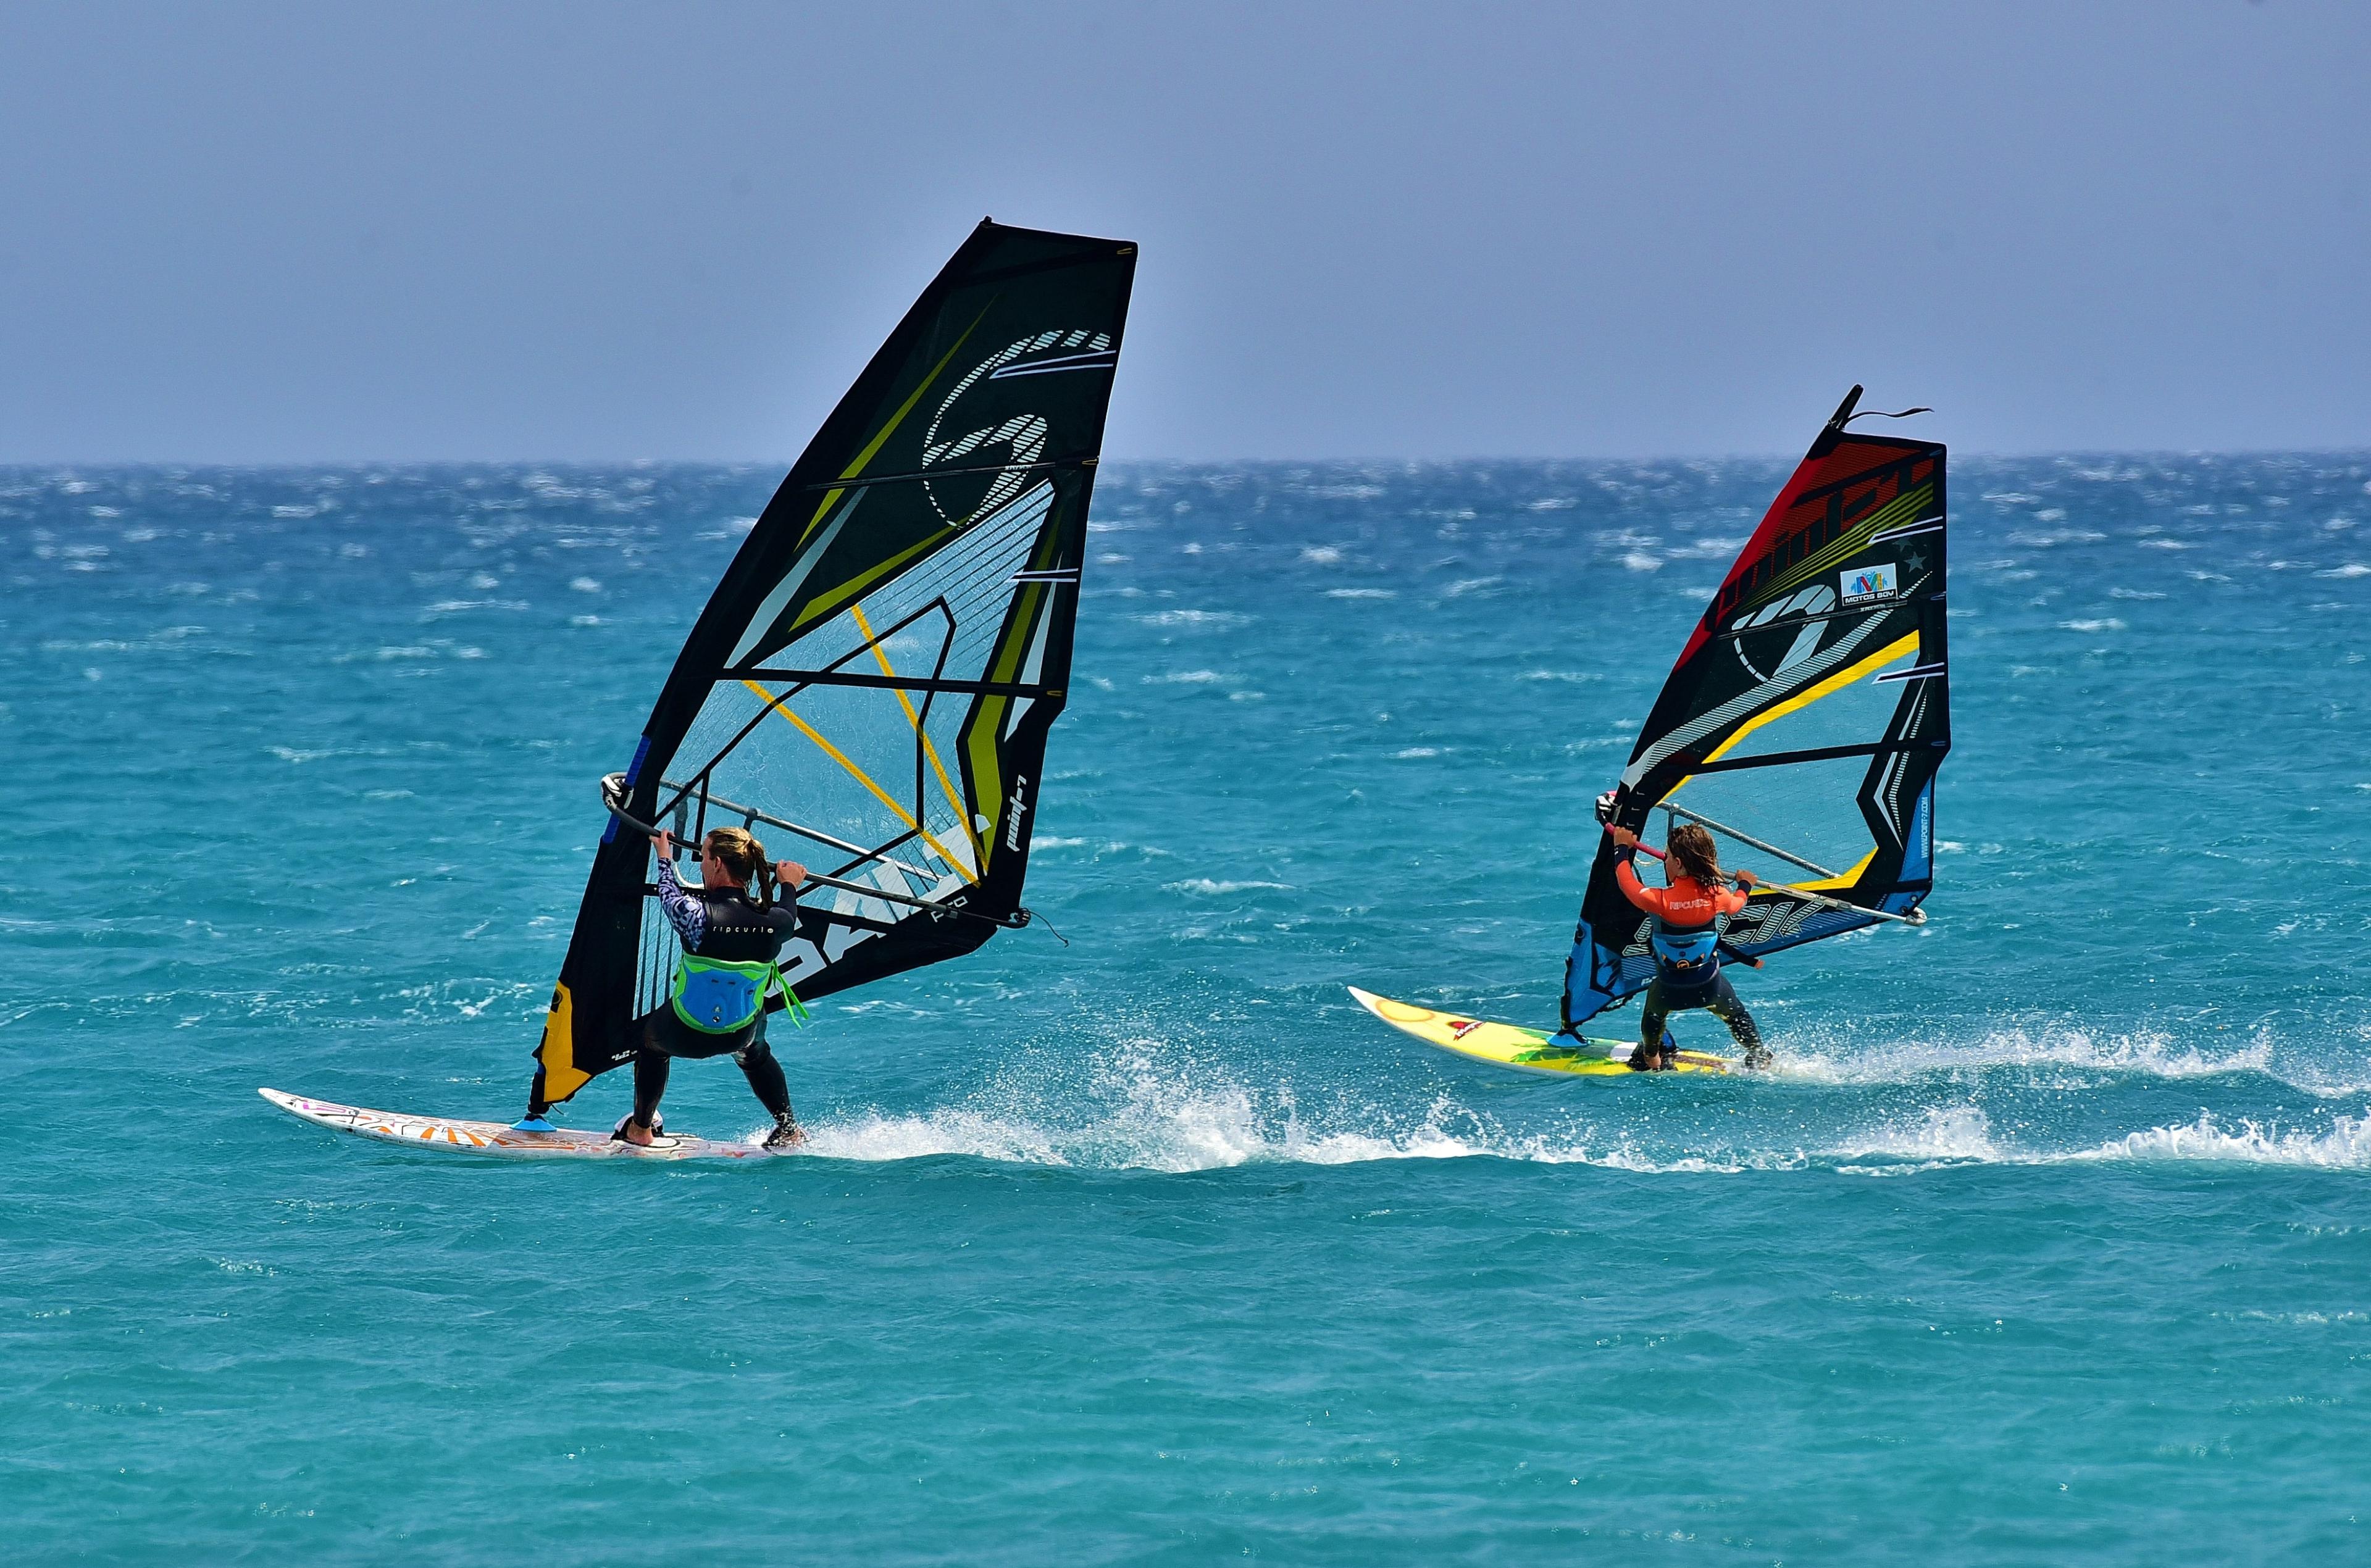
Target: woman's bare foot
column 636, row 1134
column 787, row 1134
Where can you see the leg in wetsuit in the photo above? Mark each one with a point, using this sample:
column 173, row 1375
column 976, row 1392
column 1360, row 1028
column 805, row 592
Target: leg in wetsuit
column 1719, row 998
column 665, row 1038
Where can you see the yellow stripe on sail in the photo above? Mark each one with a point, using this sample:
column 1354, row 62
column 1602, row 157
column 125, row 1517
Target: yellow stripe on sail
column 1903, row 508
column 827, row 602
column 831, row 497
column 862, row 777
column 984, row 731
column 954, row 797
column 1829, row 884
column 1835, row 683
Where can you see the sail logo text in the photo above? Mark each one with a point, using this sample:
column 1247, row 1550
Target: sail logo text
column 1013, row 810
column 1866, row 584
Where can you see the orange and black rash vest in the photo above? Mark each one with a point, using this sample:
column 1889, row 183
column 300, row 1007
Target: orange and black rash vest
column 1686, row 942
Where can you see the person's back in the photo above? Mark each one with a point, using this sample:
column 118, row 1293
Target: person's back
column 725, row 980
column 1686, row 939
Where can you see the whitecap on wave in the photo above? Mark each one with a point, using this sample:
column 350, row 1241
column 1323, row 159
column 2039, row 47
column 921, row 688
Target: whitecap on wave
column 2345, row 1144
column 1148, row 1109
column 2146, row 1054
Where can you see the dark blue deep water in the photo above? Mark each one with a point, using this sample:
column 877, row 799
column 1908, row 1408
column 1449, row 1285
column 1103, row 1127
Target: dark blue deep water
column 2052, row 1244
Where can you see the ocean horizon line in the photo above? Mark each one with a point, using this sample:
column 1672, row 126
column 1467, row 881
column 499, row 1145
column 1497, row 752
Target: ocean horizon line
column 172, row 465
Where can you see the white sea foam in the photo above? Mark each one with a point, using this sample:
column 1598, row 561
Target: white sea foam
column 1145, row 1105
column 1192, row 618
column 459, row 607
column 2149, row 1054
column 2345, row 1146
column 1205, row 884
column 1943, row 1135
column 1148, row 1108
column 877, row 1138
column 1172, row 1127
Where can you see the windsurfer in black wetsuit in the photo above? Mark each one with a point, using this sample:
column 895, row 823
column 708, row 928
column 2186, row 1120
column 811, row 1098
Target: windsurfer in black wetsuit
column 733, row 930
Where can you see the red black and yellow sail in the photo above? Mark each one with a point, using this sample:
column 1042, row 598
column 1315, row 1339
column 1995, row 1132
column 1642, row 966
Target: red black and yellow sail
column 1806, row 717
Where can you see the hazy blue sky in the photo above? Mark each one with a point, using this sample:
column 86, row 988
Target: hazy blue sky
column 253, row 232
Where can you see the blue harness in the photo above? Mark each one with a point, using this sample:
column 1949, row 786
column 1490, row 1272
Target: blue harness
column 1685, row 955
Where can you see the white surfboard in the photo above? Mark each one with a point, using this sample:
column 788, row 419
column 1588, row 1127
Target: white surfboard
column 447, row 1135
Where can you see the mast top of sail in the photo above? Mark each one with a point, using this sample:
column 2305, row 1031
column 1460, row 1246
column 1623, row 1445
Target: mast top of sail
column 1836, row 424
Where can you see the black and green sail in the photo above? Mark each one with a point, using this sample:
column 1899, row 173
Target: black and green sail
column 870, row 685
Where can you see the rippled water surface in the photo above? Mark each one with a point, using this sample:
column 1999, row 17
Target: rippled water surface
column 2050, row 1243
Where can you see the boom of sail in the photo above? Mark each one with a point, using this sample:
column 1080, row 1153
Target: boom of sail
column 870, row 687
column 1805, row 721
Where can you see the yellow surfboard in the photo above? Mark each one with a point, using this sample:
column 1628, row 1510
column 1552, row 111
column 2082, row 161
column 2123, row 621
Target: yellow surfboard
column 1511, row 1045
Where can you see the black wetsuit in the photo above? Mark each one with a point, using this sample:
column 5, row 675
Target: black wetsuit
column 1716, row 997
column 715, row 922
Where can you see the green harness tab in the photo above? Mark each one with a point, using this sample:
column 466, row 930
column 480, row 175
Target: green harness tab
column 722, row 995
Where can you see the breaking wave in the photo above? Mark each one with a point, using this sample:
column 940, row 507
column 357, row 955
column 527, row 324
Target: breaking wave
column 2345, row 1144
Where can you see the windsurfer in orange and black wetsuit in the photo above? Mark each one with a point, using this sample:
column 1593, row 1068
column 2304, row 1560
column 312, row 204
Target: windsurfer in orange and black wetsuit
column 1686, row 940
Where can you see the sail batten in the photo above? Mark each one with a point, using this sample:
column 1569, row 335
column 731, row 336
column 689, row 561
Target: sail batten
column 1806, row 717
column 878, row 669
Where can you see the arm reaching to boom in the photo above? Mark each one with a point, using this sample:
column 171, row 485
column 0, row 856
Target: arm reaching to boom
column 1667, row 903
column 688, row 914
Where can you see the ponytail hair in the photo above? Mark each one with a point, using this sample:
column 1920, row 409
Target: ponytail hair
column 1692, row 850
column 740, row 853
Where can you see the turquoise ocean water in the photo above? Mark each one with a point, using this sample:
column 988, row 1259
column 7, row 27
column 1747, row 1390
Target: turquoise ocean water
column 2052, row 1245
